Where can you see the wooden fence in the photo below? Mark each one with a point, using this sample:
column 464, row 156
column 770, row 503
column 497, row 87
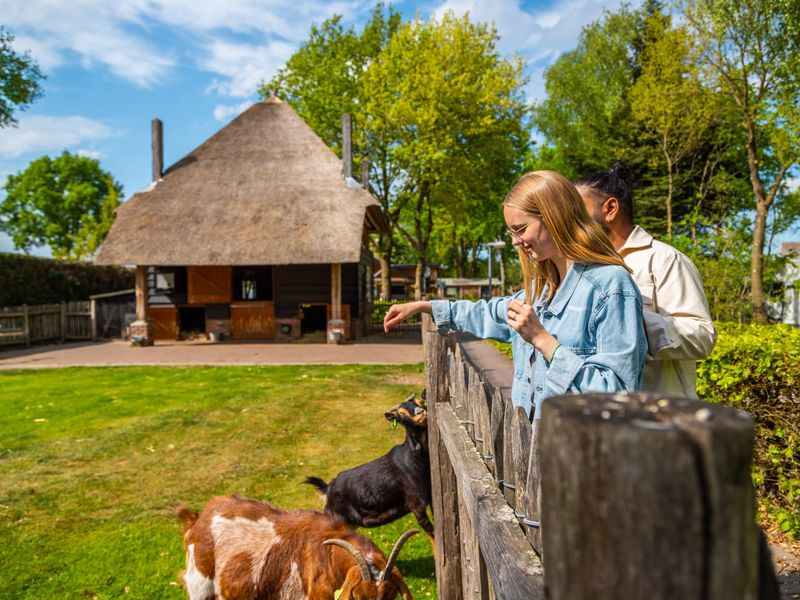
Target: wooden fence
column 46, row 322
column 607, row 496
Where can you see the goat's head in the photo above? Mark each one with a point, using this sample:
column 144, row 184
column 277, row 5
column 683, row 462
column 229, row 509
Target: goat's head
column 362, row 583
column 411, row 413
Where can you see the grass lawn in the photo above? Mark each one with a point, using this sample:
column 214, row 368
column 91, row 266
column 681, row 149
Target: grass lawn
column 93, row 462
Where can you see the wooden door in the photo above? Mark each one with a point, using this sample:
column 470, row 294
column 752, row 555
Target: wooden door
column 253, row 320
column 209, row 285
column 164, row 321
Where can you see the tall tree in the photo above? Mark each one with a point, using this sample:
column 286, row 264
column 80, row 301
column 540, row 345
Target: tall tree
column 669, row 100
column 751, row 49
column 20, row 80
column 452, row 115
column 66, row 202
column 323, row 80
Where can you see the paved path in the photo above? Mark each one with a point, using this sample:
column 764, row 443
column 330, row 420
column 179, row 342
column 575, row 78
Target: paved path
column 383, row 351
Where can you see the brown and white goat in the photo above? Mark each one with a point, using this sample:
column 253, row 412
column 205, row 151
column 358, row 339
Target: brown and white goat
column 390, row 486
column 241, row 549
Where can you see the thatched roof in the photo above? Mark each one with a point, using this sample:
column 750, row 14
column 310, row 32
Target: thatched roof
column 263, row 190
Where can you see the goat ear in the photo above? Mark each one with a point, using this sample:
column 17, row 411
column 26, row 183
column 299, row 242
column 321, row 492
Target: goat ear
column 353, row 578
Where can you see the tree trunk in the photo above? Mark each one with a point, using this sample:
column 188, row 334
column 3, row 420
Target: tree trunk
column 419, row 278
column 670, row 187
column 759, row 231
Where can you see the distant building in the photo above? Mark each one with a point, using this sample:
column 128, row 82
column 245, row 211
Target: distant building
column 258, row 233
column 788, row 311
column 468, row 287
column 403, row 279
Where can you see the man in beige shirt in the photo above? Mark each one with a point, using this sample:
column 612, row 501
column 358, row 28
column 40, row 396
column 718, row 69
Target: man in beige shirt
column 677, row 320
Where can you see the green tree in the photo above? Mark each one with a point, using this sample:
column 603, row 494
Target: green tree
column 323, row 80
column 751, row 50
column 19, row 80
column 66, row 202
column 669, row 100
column 450, row 111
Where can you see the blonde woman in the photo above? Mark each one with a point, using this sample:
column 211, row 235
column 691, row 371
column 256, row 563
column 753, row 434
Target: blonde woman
column 576, row 325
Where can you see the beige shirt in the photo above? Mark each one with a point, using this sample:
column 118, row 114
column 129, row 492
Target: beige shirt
column 676, row 316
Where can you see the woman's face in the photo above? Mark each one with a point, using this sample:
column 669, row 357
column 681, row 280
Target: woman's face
column 529, row 233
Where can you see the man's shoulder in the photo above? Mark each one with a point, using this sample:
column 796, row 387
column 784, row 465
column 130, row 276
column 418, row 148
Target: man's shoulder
column 610, row 278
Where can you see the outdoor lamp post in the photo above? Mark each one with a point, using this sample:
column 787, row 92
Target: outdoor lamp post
column 499, row 244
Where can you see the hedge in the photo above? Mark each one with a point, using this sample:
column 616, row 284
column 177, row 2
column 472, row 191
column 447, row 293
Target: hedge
column 757, row 368
column 33, row 280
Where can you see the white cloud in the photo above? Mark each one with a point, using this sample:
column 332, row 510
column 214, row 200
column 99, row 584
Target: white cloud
column 39, row 133
column 224, row 112
column 244, row 66
column 138, row 40
column 89, row 153
column 539, row 35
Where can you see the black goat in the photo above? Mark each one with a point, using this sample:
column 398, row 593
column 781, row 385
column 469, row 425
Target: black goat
column 388, row 487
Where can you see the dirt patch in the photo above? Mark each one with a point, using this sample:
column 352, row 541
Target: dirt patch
column 414, row 381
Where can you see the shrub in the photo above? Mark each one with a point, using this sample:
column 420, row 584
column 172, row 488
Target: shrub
column 33, row 280
column 757, row 368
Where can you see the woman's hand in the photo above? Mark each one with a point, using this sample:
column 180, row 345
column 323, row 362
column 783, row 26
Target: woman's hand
column 398, row 313
column 523, row 318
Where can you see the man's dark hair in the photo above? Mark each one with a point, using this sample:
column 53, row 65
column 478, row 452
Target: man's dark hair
column 616, row 182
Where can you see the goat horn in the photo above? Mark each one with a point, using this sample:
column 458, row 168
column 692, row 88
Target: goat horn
column 360, row 560
column 398, row 545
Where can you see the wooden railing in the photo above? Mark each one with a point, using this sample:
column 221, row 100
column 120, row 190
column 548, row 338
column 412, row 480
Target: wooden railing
column 29, row 324
column 608, row 496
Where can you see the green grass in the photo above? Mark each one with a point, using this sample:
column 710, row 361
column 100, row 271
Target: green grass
column 94, row 460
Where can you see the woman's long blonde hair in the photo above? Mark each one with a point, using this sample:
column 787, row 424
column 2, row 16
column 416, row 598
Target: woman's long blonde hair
column 552, row 197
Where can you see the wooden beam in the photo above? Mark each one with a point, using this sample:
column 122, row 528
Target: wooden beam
column 336, row 291
column 141, row 293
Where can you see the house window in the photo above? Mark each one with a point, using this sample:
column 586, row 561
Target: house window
column 252, row 283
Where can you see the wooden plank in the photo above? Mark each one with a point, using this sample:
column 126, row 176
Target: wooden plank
column 515, row 569
column 671, row 500
column 521, row 444
column 498, row 411
column 336, row 291
column 509, row 471
column 444, row 504
column 253, row 320
column 164, row 322
column 209, row 285
column 63, row 322
column 26, row 325
column 483, row 426
column 533, row 491
column 470, row 555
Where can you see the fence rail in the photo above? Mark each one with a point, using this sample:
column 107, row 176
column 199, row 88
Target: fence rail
column 607, row 496
column 45, row 322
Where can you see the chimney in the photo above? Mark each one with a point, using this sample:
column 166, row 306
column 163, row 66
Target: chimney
column 347, row 147
column 157, row 135
column 365, row 173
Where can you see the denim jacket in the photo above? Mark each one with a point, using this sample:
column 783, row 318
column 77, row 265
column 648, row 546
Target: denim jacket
column 596, row 315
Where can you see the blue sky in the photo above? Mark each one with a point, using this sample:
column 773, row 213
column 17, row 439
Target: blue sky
column 113, row 65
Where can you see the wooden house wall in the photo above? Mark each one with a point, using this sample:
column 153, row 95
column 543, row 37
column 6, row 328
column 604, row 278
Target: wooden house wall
column 209, row 285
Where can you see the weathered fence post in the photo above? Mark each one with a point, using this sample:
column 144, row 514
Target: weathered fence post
column 443, row 478
column 93, row 318
column 26, row 325
column 63, row 322
column 671, row 512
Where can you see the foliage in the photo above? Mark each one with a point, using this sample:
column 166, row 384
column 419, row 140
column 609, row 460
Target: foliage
column 450, row 111
column 66, row 202
column 20, row 80
column 94, row 461
column 33, row 280
column 749, row 50
column 755, row 368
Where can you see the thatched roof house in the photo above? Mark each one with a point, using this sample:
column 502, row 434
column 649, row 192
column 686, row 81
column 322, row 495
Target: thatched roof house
column 263, row 211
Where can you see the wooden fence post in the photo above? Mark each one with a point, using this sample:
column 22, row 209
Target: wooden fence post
column 672, row 508
column 26, row 325
column 443, row 479
column 93, row 318
column 63, row 323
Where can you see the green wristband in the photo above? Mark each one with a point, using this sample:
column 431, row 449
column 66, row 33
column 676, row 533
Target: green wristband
column 553, row 355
